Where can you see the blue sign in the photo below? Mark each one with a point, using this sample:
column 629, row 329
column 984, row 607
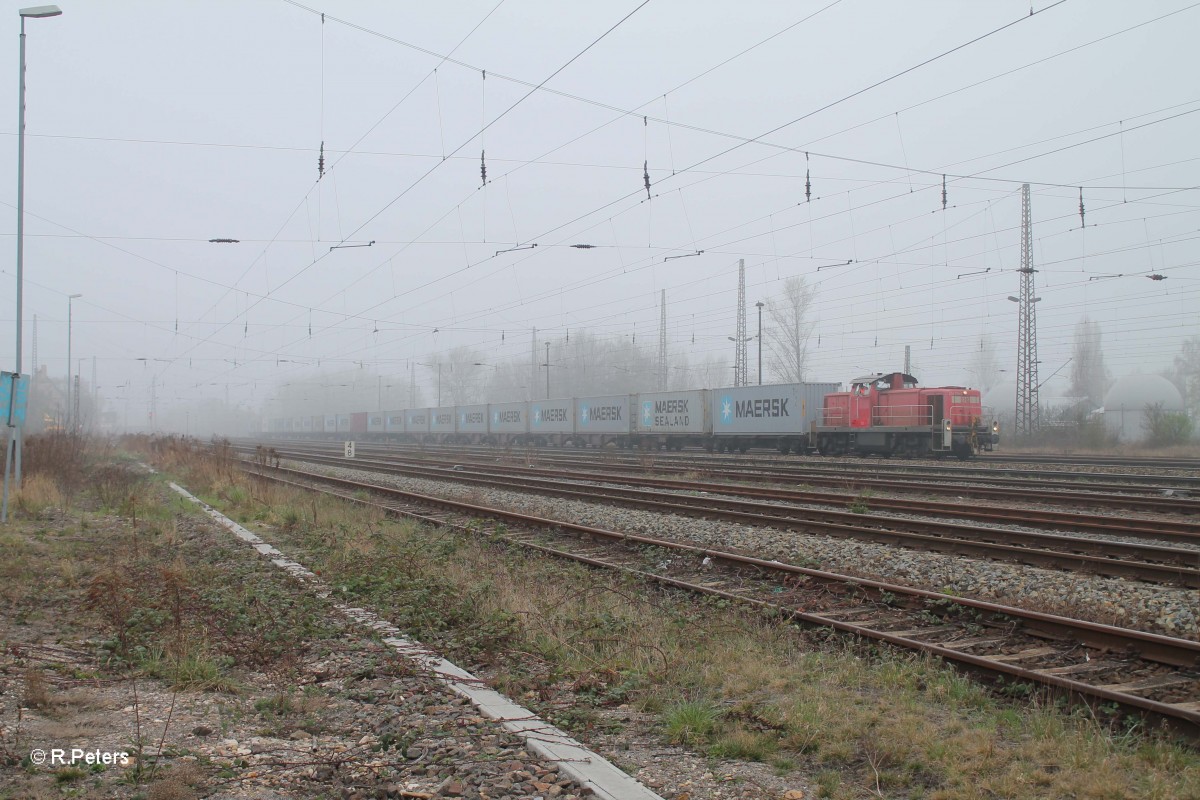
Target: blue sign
column 726, row 409
column 13, row 404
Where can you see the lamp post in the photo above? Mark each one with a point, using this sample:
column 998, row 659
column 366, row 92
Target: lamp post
column 70, row 418
column 759, row 305
column 439, row 383
column 36, row 12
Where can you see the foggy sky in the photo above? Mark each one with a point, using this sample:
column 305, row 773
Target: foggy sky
column 152, row 128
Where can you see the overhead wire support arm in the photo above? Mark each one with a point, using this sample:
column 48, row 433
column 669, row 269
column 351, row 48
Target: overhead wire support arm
column 346, row 246
column 831, row 266
column 518, row 247
column 683, row 255
column 977, row 272
column 1105, row 277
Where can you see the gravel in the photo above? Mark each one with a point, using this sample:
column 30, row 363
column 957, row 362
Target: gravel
column 1161, row 609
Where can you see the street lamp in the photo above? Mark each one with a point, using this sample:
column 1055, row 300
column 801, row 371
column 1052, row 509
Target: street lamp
column 36, row 12
column 439, row 383
column 70, row 420
column 759, row 305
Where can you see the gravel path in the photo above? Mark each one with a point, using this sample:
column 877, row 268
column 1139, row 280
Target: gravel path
column 1161, row 609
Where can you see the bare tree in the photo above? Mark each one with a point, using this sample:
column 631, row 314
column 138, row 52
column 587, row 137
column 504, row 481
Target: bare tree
column 1089, row 378
column 985, row 369
column 462, row 377
column 1186, row 373
column 789, row 330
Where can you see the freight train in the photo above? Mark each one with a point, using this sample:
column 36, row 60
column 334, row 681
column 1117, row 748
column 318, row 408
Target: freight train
column 881, row 414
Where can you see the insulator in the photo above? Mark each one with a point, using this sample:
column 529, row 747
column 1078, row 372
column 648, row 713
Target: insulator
column 483, row 167
column 1157, row 277
column 646, row 177
column 943, row 193
column 807, row 180
column 1081, row 222
column 321, row 162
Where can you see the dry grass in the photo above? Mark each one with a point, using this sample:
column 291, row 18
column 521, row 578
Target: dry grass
column 38, row 493
column 866, row 722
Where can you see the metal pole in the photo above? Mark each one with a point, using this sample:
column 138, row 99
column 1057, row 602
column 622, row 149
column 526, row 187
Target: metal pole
column 70, row 299
column 15, row 431
column 760, row 305
column 42, row 11
column 547, row 370
column 439, row 384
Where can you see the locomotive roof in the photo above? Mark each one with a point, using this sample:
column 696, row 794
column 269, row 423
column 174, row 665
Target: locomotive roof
column 878, row 375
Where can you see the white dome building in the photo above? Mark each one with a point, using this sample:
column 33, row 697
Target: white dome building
column 1125, row 404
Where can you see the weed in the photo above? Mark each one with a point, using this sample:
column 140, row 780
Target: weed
column 745, row 745
column 37, row 690
column 291, row 520
column 39, row 493
column 691, row 722
column 69, row 775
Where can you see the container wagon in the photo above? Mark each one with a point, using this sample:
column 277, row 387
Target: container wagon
column 779, row 417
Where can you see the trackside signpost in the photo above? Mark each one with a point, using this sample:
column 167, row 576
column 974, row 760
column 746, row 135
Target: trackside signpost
column 14, row 400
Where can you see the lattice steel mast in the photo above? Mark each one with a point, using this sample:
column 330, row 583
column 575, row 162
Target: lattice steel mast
column 740, row 373
column 1028, row 414
column 662, row 342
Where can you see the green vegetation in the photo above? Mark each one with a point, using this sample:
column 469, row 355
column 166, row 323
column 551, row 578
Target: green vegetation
column 724, row 681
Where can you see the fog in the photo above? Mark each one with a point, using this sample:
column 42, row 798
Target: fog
column 876, row 150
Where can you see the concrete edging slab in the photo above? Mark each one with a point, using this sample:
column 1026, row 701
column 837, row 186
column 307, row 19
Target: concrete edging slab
column 586, row 767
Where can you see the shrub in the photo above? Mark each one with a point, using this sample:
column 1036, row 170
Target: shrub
column 1165, row 427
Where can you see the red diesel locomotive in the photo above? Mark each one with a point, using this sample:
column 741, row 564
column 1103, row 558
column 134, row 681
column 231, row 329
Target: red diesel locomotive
column 890, row 414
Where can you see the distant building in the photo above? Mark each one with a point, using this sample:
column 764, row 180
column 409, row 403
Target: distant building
column 1125, row 404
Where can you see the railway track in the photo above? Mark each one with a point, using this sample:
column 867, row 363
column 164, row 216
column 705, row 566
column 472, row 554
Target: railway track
column 1182, row 478
column 1147, row 673
column 1037, row 488
column 1181, row 531
column 1095, row 461
column 1137, row 561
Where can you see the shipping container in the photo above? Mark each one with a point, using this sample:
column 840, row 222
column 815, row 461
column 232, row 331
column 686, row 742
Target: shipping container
column 358, row 422
column 441, row 421
column 330, row 423
column 375, row 422
column 673, row 412
column 393, row 421
column 508, row 418
column 343, row 423
column 780, row 409
column 609, row 414
column 472, row 420
column 547, row 417
column 416, row 421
